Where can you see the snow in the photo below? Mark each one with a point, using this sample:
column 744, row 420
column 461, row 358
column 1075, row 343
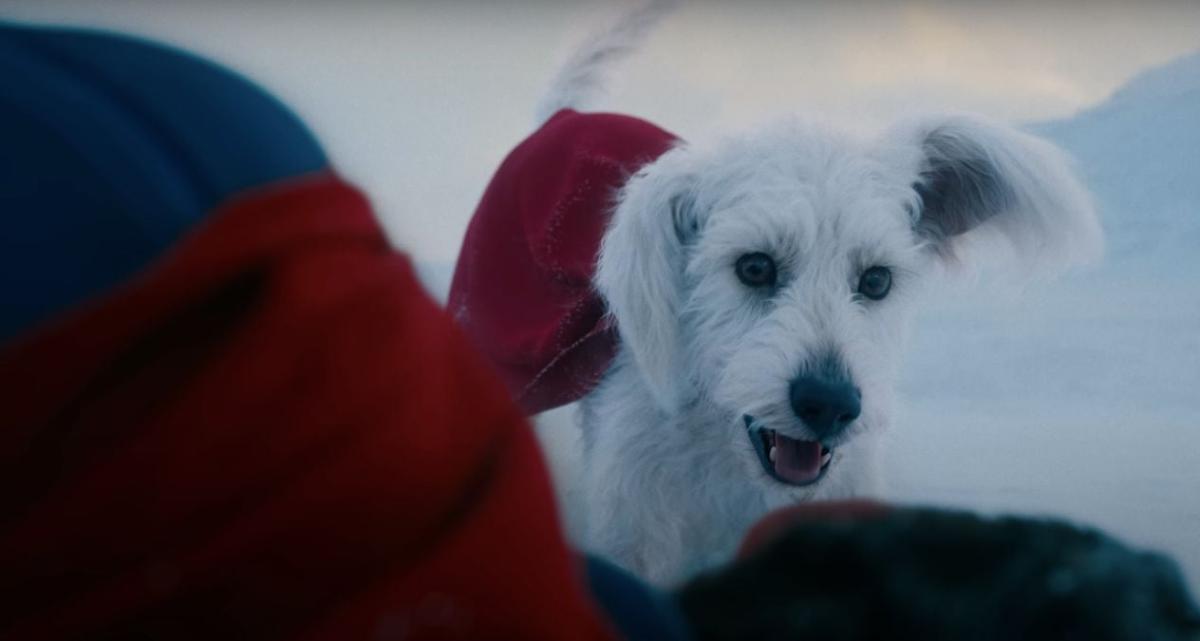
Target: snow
column 1080, row 399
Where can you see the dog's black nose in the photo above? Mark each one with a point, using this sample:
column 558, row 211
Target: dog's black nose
column 825, row 404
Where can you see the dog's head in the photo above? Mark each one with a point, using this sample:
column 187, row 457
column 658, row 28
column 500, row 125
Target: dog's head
column 772, row 276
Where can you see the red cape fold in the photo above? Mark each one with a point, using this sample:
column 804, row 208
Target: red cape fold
column 274, row 434
column 522, row 288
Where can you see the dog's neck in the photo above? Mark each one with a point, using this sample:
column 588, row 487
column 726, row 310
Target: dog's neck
column 645, row 468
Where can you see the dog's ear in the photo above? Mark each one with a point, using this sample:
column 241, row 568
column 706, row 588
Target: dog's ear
column 640, row 270
column 978, row 179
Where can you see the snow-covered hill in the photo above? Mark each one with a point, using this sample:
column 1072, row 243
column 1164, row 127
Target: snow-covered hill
column 1140, row 151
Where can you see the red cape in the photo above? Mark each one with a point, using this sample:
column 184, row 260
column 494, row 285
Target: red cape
column 274, row 434
column 522, row 288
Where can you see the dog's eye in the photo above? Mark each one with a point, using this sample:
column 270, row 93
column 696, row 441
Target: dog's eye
column 756, row 270
column 875, row 283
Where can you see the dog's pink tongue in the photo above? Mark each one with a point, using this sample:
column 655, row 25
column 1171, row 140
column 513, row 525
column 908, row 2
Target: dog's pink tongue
column 797, row 461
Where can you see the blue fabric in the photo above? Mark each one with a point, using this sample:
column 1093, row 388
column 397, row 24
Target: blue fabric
column 112, row 148
column 639, row 612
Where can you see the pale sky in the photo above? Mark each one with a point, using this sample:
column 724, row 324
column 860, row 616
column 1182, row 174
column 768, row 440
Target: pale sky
column 418, row 102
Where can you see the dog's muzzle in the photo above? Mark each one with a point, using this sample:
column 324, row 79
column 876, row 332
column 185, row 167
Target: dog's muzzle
column 785, row 459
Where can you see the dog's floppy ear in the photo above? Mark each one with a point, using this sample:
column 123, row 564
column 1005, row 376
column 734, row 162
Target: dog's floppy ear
column 979, row 179
column 640, row 271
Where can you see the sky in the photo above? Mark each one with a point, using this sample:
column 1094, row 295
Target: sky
column 418, row 102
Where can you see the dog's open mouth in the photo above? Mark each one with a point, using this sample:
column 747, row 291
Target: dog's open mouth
column 788, row 460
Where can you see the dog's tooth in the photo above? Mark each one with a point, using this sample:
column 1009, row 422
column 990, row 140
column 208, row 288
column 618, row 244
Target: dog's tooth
column 771, row 454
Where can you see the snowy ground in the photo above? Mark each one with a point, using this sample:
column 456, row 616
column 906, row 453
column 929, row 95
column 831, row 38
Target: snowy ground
column 1082, row 403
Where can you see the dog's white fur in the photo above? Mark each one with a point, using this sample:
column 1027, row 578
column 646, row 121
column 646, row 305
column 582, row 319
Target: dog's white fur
column 669, row 481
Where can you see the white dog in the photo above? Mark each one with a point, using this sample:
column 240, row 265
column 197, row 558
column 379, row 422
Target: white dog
column 761, row 286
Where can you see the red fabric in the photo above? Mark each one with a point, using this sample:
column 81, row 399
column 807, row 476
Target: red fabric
column 274, row 434
column 522, row 288
column 773, row 525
